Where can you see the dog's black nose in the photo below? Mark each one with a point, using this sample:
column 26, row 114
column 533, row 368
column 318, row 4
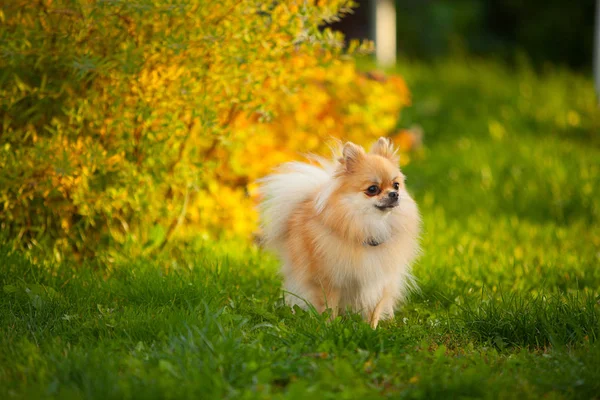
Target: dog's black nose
column 393, row 195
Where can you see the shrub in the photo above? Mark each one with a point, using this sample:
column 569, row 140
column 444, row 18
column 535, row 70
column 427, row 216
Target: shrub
column 124, row 121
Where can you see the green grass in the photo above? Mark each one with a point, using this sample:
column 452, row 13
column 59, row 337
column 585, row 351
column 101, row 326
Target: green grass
column 509, row 307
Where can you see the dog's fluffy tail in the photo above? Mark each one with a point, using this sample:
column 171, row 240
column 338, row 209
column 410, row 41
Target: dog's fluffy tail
column 283, row 191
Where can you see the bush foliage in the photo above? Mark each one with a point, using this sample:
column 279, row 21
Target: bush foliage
column 125, row 123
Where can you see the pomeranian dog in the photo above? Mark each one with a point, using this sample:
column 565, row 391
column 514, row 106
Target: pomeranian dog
column 346, row 231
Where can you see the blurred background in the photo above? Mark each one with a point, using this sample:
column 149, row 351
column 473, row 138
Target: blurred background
column 547, row 32
column 130, row 126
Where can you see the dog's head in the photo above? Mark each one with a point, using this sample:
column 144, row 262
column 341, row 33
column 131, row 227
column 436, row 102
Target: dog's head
column 369, row 187
column 371, row 180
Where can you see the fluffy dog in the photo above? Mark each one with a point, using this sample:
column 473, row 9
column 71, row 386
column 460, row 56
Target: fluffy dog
column 346, row 231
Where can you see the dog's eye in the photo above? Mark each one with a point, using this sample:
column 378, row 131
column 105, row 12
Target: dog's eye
column 396, row 186
column 372, row 190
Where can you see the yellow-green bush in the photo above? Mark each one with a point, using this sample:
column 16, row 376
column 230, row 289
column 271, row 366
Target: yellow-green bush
column 126, row 122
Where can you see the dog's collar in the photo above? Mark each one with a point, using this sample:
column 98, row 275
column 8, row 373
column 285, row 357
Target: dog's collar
column 372, row 242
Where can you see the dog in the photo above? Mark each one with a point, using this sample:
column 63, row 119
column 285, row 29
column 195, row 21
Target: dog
column 346, row 230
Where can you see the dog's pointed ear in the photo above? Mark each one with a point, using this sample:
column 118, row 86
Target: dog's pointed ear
column 351, row 155
column 383, row 147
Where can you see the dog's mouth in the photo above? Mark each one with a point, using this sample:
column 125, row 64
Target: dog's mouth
column 386, row 207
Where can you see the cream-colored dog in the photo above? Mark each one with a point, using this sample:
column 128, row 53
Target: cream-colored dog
column 346, row 231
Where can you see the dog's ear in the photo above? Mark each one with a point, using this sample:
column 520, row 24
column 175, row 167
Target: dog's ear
column 351, row 156
column 383, row 147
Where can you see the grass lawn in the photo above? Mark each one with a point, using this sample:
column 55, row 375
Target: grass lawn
column 509, row 188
